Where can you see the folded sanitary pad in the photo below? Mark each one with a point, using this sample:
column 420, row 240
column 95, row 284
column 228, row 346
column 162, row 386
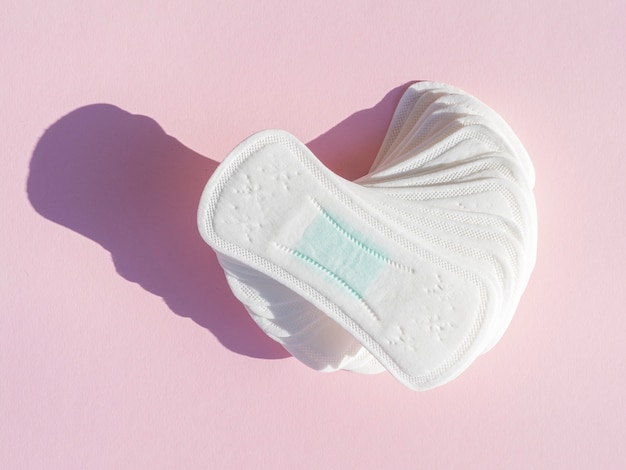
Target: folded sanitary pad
column 416, row 268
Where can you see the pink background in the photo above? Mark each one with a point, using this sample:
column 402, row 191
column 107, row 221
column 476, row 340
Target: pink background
column 120, row 344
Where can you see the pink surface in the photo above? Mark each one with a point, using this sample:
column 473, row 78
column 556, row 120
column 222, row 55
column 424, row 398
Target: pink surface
column 120, row 344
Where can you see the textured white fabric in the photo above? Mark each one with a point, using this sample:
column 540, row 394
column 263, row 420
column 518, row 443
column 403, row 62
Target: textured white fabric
column 416, row 268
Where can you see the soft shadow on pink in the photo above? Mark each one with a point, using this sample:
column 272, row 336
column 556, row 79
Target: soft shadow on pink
column 120, row 180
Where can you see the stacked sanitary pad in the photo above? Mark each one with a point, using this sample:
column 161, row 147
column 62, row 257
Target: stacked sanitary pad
column 416, row 268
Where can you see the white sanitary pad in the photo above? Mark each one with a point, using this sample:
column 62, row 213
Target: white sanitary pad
column 416, row 268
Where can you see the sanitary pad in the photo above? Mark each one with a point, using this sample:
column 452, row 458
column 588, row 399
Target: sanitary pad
column 416, row 268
